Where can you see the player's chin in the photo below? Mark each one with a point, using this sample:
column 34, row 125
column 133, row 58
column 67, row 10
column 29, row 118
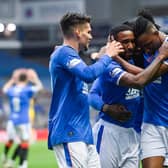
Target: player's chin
column 87, row 46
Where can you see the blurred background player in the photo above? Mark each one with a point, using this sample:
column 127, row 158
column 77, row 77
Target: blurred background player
column 32, row 112
column 20, row 92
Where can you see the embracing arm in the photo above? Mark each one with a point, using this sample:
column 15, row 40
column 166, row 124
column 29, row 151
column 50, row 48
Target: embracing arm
column 135, row 69
column 160, row 69
column 129, row 67
column 144, row 77
column 76, row 66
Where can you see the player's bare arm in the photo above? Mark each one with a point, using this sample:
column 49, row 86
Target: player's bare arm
column 33, row 77
column 142, row 77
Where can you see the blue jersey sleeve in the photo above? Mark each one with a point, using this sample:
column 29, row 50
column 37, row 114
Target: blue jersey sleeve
column 73, row 63
column 114, row 73
column 95, row 96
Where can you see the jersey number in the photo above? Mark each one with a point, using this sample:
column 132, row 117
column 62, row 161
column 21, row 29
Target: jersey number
column 16, row 104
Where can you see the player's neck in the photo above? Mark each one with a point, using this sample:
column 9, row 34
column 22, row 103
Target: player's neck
column 72, row 43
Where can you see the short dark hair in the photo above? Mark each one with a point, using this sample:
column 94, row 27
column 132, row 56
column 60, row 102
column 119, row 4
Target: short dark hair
column 115, row 30
column 22, row 77
column 71, row 20
column 129, row 25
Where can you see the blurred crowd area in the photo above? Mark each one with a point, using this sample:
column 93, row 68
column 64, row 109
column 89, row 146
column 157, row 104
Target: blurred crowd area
column 41, row 108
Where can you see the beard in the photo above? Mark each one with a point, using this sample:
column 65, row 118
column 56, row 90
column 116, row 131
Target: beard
column 126, row 56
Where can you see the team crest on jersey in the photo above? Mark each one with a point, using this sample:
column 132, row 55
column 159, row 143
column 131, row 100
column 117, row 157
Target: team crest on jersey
column 132, row 93
column 73, row 62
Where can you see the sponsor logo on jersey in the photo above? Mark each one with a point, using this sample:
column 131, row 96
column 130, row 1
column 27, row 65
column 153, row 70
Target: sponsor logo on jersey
column 132, row 94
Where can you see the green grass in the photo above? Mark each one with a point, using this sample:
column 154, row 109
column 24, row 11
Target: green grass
column 39, row 156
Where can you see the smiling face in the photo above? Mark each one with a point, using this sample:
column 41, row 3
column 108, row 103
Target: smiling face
column 127, row 39
column 83, row 34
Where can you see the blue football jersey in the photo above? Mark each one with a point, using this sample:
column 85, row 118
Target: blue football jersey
column 69, row 109
column 19, row 98
column 107, row 87
column 156, row 97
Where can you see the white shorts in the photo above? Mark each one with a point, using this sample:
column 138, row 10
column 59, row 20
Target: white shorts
column 18, row 132
column 154, row 141
column 76, row 155
column 117, row 146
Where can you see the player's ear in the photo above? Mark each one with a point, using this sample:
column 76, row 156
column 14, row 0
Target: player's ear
column 154, row 30
column 77, row 33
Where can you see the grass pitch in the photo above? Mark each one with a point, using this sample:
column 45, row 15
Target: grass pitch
column 39, row 156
